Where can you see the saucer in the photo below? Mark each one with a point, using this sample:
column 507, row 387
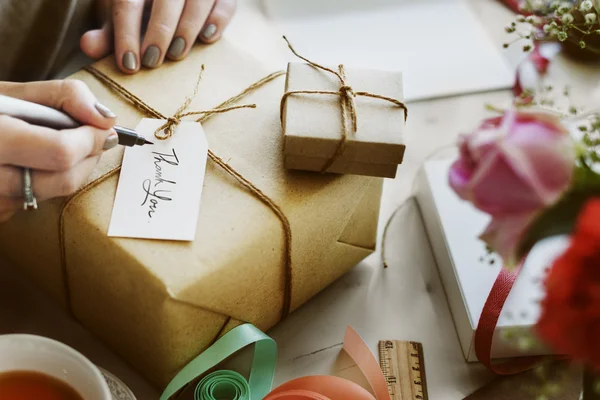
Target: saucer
column 118, row 389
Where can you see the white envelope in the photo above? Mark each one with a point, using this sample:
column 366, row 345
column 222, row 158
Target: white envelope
column 440, row 46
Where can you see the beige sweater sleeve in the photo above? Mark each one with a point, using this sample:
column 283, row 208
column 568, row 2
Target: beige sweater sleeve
column 38, row 36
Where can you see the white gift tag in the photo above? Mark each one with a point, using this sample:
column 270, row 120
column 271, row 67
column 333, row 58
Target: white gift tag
column 160, row 186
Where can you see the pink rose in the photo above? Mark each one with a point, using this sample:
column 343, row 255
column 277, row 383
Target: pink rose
column 512, row 168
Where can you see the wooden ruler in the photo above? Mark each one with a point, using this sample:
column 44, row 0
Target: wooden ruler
column 403, row 366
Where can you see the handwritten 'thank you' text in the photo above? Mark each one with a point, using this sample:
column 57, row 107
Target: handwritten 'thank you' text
column 160, row 188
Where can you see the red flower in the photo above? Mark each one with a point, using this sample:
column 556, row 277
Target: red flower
column 570, row 320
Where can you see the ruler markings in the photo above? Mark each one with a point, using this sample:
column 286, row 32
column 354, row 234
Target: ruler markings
column 403, row 367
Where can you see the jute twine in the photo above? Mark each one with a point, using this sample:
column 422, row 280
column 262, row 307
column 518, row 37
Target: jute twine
column 166, row 131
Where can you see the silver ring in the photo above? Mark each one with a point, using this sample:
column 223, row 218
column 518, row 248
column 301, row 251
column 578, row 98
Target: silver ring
column 30, row 201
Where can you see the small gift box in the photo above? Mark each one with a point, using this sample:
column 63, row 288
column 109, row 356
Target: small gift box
column 469, row 273
column 344, row 121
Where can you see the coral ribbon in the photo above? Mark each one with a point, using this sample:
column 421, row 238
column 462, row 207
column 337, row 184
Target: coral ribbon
column 229, row 384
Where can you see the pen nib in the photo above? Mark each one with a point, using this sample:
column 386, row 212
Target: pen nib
column 148, row 142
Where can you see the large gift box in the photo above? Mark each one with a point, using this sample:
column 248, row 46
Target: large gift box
column 468, row 271
column 160, row 303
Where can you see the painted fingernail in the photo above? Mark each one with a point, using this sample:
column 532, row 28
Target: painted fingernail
column 177, row 47
column 129, row 61
column 151, row 55
column 111, row 141
column 105, row 111
column 209, row 31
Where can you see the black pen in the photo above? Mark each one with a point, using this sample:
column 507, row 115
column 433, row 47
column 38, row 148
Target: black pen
column 37, row 114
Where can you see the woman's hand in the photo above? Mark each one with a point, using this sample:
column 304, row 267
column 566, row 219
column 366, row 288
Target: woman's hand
column 60, row 160
column 173, row 28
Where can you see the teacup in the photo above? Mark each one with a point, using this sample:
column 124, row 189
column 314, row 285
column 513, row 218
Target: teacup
column 31, row 353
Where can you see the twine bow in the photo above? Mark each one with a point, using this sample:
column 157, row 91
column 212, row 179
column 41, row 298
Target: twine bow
column 347, row 97
column 167, row 130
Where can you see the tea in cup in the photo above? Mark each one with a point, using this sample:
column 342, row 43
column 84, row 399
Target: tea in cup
column 34, row 367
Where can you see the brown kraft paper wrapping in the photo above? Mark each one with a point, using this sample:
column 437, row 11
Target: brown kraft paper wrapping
column 161, row 303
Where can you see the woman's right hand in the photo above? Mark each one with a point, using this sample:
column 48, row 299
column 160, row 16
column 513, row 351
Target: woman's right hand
column 60, row 160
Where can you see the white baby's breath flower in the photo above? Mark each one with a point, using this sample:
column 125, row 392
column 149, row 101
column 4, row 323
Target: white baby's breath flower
column 567, row 18
column 525, row 342
column 562, row 36
column 537, row 4
column 586, row 6
column 590, row 18
column 564, row 7
column 548, row 28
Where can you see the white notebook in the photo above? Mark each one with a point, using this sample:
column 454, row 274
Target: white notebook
column 440, row 45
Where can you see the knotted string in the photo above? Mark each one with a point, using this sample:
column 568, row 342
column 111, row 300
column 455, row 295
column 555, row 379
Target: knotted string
column 168, row 128
column 347, row 97
column 223, row 107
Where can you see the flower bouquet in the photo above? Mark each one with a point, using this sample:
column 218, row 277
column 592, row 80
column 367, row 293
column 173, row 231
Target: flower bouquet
column 573, row 23
column 534, row 171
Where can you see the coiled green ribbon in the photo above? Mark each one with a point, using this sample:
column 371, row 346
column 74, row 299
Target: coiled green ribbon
column 228, row 384
column 223, row 385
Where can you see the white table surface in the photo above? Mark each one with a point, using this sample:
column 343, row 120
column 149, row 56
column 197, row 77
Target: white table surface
column 395, row 303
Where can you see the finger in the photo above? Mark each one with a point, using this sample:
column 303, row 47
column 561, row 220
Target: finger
column 8, row 206
column 71, row 96
column 127, row 22
column 218, row 20
column 37, row 147
column 192, row 19
column 161, row 27
column 97, row 43
column 45, row 184
column 7, row 215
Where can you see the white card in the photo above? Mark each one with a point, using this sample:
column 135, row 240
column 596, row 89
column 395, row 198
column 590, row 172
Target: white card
column 440, row 46
column 160, row 186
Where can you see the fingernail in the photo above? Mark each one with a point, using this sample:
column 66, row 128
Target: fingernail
column 209, row 31
column 111, row 141
column 177, row 47
column 105, row 111
column 151, row 55
column 129, row 61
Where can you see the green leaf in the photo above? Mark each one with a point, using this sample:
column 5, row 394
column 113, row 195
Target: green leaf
column 560, row 219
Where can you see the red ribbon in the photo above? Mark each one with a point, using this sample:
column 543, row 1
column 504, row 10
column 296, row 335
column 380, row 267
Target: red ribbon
column 488, row 321
column 512, row 4
column 490, row 314
column 540, row 63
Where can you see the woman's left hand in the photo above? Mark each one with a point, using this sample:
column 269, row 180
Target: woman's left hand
column 173, row 27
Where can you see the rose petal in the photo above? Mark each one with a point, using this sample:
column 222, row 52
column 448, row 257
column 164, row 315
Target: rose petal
column 459, row 178
column 546, row 168
column 498, row 190
column 504, row 234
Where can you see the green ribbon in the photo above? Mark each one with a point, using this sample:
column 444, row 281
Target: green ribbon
column 229, row 384
column 223, row 385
